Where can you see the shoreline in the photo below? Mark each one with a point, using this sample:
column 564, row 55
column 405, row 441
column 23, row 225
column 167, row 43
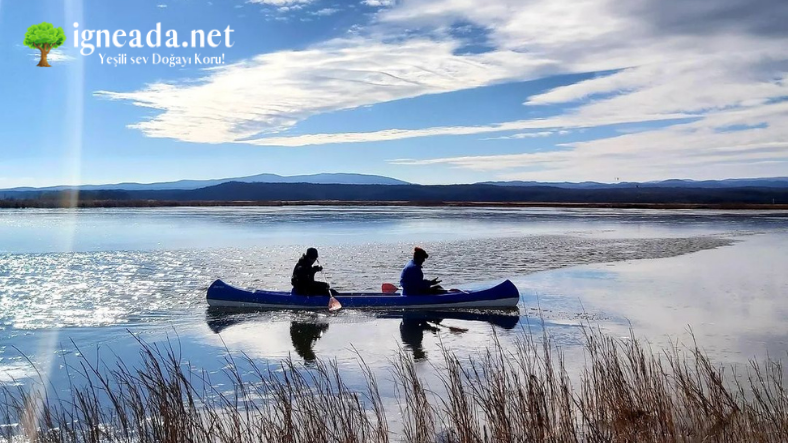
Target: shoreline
column 86, row 204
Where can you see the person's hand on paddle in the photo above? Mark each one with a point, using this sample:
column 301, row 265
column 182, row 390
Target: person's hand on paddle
column 333, row 303
column 435, row 281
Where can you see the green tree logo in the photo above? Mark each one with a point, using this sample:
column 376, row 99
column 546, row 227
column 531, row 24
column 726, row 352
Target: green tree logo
column 44, row 37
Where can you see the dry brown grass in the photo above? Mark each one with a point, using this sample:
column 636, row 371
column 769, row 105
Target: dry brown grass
column 626, row 393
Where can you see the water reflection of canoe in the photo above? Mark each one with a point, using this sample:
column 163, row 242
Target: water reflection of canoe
column 504, row 295
column 505, row 319
column 219, row 319
column 307, row 329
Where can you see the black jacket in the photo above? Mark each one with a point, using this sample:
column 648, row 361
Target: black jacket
column 303, row 273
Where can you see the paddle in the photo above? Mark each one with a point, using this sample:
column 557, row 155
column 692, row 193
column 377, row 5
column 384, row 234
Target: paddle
column 388, row 288
column 453, row 329
column 333, row 303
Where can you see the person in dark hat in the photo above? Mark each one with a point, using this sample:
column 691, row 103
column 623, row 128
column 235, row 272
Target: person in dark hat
column 303, row 279
column 412, row 278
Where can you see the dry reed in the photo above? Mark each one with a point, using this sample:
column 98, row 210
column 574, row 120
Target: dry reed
column 520, row 393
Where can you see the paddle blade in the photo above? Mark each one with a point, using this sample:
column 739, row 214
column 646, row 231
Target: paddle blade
column 388, row 288
column 334, row 304
column 452, row 329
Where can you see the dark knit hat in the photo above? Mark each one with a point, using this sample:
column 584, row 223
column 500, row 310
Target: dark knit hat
column 311, row 253
column 418, row 252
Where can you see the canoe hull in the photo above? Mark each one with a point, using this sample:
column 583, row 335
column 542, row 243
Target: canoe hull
column 504, row 295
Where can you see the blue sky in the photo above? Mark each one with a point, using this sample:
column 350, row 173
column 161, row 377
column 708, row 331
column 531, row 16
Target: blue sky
column 429, row 91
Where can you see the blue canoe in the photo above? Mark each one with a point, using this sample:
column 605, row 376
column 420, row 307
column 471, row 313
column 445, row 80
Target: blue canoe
column 504, row 295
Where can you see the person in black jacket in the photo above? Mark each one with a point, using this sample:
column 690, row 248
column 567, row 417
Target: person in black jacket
column 304, row 276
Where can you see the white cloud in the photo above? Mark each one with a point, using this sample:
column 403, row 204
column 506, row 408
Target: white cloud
column 271, row 93
column 280, row 2
column 700, row 149
column 400, row 134
column 325, row 12
column 725, row 80
column 161, row 6
column 293, row 7
column 380, row 3
column 732, row 67
column 523, row 135
column 56, row 55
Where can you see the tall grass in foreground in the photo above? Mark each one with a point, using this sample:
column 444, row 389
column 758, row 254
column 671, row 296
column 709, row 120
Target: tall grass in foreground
column 626, row 393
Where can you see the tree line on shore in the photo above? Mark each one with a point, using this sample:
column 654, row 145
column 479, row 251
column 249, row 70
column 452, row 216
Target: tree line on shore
column 238, row 193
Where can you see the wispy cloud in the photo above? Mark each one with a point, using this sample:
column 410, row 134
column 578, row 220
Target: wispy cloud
column 271, row 93
column 696, row 149
column 380, row 3
column 569, row 121
column 56, row 55
column 325, row 12
column 291, row 7
column 280, row 2
column 669, row 59
column 523, row 135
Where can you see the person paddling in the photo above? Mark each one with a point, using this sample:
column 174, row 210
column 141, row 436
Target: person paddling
column 303, row 279
column 412, row 278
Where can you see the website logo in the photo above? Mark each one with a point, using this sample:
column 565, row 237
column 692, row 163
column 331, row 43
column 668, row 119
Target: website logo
column 45, row 38
column 89, row 40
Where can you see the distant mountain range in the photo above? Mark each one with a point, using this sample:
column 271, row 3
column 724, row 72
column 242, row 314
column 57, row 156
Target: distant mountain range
column 371, row 188
column 334, row 179
column 364, row 179
column 772, row 182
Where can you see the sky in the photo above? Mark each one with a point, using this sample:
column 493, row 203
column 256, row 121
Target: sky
column 428, row 91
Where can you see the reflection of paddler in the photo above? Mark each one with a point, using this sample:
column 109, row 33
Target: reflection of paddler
column 304, row 336
column 412, row 334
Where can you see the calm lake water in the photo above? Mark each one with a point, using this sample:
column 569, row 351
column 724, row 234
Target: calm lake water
column 95, row 279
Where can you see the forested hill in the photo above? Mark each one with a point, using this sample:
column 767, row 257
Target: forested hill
column 236, row 191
